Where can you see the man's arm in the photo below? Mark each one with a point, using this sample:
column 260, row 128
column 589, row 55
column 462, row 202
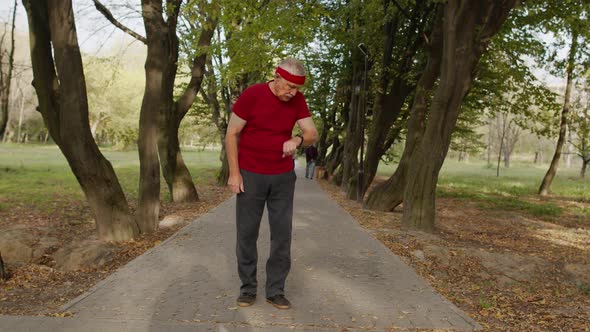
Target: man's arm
column 309, row 133
column 234, row 127
column 308, row 130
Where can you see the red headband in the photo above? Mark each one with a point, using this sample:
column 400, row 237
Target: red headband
column 295, row 79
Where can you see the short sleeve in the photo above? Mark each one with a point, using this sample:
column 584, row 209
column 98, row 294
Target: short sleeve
column 302, row 109
column 243, row 106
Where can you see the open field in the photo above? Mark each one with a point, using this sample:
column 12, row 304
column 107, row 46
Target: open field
column 514, row 190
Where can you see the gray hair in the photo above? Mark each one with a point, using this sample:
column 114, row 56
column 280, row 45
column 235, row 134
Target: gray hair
column 293, row 66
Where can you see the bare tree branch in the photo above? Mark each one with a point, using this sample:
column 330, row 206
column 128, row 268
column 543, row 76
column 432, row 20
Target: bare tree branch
column 109, row 16
column 198, row 68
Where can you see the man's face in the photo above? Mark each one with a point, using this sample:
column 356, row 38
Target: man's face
column 285, row 90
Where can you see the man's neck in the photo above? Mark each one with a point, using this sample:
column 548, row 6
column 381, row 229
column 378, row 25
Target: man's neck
column 271, row 85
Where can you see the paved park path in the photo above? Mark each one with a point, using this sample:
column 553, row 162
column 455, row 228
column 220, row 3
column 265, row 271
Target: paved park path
column 341, row 279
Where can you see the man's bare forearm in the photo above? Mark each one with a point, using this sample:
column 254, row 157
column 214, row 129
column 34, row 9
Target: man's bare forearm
column 231, row 149
column 309, row 138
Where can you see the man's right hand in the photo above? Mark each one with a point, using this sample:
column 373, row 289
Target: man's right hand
column 235, row 183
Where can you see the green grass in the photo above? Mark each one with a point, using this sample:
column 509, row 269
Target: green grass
column 477, row 182
column 510, row 203
column 584, row 289
column 485, row 303
column 39, row 174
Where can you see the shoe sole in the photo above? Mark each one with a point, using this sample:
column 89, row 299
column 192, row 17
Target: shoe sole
column 245, row 304
column 278, row 306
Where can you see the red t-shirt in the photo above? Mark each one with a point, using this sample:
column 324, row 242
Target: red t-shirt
column 269, row 123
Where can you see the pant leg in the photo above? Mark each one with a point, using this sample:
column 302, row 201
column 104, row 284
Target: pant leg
column 280, row 217
column 307, row 170
column 249, row 209
column 312, row 169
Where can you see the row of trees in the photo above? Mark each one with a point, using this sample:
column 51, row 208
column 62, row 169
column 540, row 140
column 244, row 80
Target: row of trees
column 173, row 37
column 429, row 78
column 425, row 73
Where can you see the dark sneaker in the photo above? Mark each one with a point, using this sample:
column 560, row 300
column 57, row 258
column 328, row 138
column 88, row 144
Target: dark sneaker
column 279, row 301
column 246, row 300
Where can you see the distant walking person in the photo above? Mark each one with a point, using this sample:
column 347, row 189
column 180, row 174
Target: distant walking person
column 260, row 152
column 311, row 155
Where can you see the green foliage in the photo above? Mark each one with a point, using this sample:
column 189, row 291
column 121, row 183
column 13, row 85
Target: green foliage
column 250, row 38
column 506, row 84
column 115, row 90
column 465, row 136
column 254, row 34
column 562, row 21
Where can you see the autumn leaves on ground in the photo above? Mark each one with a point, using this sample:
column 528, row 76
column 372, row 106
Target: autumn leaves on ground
column 512, row 261
column 48, row 239
column 509, row 259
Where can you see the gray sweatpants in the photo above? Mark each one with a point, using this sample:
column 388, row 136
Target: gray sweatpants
column 277, row 192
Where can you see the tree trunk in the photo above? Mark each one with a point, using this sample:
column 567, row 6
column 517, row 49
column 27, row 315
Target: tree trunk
column 499, row 156
column 334, row 159
column 174, row 170
column 388, row 195
column 502, row 138
column 570, row 150
column 382, row 121
column 20, row 115
column 3, row 270
column 337, row 175
column 467, row 29
column 512, row 135
column 545, row 187
column 585, row 163
column 391, row 96
column 223, row 175
column 220, row 118
column 352, row 144
column 336, row 156
column 507, row 155
column 158, row 46
column 6, row 83
column 176, row 173
column 63, row 105
column 323, row 141
column 354, row 180
column 94, row 127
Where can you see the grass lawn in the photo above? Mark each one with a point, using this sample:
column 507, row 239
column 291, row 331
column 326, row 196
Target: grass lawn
column 514, row 189
column 36, row 174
